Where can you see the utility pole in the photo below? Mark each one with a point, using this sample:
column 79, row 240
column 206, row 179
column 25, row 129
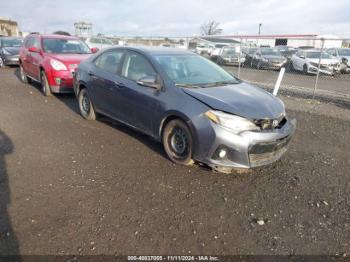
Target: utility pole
column 260, row 28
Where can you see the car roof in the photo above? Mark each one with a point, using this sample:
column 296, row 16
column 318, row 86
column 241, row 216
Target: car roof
column 56, row 36
column 156, row 50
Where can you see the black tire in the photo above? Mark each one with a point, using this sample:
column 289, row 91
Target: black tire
column 251, row 63
column 85, row 105
column 24, row 78
column 45, row 87
column 178, row 142
column 291, row 66
column 258, row 65
column 2, row 64
column 305, row 69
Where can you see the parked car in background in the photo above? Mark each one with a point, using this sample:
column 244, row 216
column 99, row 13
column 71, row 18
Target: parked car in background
column 201, row 49
column 307, row 61
column 268, row 58
column 343, row 55
column 9, row 50
column 215, row 50
column 195, row 108
column 306, row 47
column 51, row 61
column 286, row 51
column 249, row 53
column 230, row 56
column 99, row 42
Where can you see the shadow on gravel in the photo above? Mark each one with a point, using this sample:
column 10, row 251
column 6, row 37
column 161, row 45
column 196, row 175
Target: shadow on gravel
column 8, row 241
column 70, row 101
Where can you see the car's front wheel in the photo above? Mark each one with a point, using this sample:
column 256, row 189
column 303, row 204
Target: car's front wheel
column 85, row 105
column 178, row 142
column 305, row 69
column 45, row 84
column 2, row 64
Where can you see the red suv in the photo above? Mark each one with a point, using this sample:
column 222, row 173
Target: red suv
column 51, row 60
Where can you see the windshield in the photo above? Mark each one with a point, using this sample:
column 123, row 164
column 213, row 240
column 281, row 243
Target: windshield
column 11, row 42
column 344, row 52
column 65, row 46
column 274, row 52
column 316, row 54
column 193, row 70
column 229, row 52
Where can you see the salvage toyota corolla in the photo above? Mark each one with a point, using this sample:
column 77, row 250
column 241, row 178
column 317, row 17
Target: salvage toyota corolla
column 199, row 111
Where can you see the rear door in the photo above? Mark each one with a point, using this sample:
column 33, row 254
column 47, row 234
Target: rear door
column 26, row 56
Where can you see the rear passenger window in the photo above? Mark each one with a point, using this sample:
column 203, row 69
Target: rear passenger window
column 110, row 61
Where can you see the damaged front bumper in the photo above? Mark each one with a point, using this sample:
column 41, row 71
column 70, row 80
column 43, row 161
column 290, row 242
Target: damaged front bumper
column 248, row 149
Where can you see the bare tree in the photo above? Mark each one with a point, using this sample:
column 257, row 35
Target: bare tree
column 211, row 28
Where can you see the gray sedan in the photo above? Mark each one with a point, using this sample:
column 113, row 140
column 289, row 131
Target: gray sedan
column 195, row 108
column 9, row 50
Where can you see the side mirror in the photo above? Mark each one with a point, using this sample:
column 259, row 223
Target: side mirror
column 302, row 56
column 94, row 50
column 33, row 49
column 149, row 81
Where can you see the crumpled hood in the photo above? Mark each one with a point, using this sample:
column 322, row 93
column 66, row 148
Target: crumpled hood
column 12, row 50
column 240, row 99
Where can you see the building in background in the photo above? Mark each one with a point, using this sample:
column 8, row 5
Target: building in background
column 83, row 29
column 8, row 27
column 296, row 40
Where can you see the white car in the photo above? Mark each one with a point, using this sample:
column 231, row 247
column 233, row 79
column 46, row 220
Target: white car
column 201, row 49
column 307, row 62
column 99, row 42
column 343, row 55
column 215, row 51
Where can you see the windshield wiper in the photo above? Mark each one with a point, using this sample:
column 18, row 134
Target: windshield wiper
column 189, row 85
column 221, row 83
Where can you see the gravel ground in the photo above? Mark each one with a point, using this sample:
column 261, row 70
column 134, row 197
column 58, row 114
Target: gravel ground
column 70, row 186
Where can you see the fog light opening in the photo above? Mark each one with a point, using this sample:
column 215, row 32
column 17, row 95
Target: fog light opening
column 222, row 153
column 58, row 80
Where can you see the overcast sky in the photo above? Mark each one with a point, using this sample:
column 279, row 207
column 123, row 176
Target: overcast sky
column 182, row 17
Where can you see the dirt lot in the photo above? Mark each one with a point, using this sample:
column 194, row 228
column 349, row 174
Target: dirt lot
column 69, row 186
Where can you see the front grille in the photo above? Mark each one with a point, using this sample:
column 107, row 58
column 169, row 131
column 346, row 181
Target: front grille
column 261, row 154
column 269, row 124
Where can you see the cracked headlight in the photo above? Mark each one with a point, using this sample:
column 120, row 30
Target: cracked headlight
column 233, row 123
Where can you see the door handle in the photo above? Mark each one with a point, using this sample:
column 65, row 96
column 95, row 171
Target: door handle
column 119, row 84
column 93, row 76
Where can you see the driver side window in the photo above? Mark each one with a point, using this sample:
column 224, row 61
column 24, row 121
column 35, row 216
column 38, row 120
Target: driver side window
column 136, row 67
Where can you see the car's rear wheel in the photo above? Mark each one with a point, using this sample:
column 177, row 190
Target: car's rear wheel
column 85, row 105
column 45, row 84
column 24, row 78
column 178, row 142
